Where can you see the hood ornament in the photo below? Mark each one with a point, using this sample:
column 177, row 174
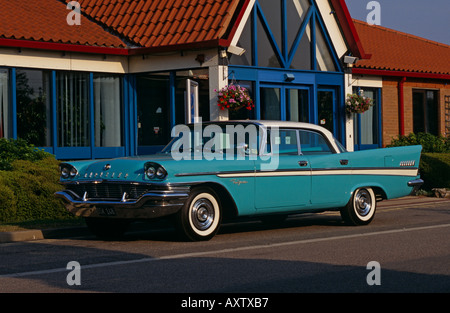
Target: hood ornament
column 107, row 167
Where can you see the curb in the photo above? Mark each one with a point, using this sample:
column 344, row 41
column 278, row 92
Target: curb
column 38, row 234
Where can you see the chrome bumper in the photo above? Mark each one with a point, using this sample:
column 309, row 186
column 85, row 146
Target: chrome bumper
column 150, row 205
column 416, row 184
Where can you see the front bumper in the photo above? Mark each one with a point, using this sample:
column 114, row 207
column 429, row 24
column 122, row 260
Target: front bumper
column 152, row 204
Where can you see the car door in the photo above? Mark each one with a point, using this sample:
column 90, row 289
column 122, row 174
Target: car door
column 282, row 181
column 331, row 171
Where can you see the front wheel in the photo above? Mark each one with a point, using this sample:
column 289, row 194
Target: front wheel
column 360, row 210
column 201, row 215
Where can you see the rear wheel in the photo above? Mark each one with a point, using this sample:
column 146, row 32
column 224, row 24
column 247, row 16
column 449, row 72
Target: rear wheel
column 200, row 217
column 360, row 210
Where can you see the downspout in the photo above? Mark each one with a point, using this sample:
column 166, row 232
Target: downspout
column 402, row 105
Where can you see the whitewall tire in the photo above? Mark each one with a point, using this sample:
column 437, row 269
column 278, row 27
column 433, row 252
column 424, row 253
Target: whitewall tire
column 361, row 208
column 201, row 216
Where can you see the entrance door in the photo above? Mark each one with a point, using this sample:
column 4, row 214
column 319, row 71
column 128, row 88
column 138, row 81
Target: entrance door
column 152, row 113
column 286, row 103
column 297, row 104
column 326, row 110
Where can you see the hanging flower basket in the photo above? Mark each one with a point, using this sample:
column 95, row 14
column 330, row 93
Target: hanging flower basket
column 234, row 97
column 357, row 103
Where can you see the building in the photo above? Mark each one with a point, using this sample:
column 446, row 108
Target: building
column 409, row 79
column 98, row 79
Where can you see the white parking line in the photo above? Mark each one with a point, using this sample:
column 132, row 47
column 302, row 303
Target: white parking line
column 230, row 250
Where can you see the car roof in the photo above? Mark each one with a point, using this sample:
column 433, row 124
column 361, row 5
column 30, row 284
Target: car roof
column 273, row 123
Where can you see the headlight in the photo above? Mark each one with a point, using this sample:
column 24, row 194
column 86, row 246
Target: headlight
column 153, row 170
column 161, row 173
column 67, row 171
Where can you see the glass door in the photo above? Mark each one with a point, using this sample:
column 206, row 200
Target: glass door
column 297, row 104
column 326, row 109
column 285, row 103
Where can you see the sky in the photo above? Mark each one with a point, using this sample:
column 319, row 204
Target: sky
column 428, row 19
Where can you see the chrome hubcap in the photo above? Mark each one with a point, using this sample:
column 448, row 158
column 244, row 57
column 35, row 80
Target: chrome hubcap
column 363, row 202
column 202, row 214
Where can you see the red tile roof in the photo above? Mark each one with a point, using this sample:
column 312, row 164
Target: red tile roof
column 396, row 51
column 156, row 23
column 46, row 21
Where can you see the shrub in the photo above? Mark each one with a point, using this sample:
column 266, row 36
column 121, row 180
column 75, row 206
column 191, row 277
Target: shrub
column 18, row 149
column 26, row 191
column 435, row 170
column 429, row 142
column 28, row 179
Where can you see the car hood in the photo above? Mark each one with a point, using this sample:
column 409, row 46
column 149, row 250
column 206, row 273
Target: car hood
column 129, row 168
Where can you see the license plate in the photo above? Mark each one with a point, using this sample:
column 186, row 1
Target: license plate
column 106, row 211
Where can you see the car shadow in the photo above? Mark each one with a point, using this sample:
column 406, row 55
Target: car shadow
column 108, row 270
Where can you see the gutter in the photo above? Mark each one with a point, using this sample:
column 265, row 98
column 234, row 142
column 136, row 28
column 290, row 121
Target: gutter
column 374, row 72
column 17, row 43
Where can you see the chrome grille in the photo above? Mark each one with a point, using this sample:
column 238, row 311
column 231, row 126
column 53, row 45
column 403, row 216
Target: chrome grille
column 109, row 190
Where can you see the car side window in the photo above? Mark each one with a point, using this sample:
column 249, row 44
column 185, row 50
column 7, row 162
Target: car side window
column 283, row 142
column 312, row 143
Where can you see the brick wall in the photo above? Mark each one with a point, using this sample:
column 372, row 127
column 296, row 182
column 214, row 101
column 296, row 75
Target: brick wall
column 390, row 104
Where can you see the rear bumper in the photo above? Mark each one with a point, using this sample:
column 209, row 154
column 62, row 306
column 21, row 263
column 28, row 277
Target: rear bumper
column 152, row 204
column 416, row 184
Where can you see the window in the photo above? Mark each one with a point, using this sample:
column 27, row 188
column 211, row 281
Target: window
column 425, row 111
column 5, row 112
column 72, row 102
column 108, row 111
column 297, row 105
column 366, row 125
column 34, row 107
column 282, row 142
column 286, row 34
column 312, row 143
column 270, row 103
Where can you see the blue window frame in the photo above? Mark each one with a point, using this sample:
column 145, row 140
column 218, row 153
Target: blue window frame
column 290, row 59
column 367, row 126
column 77, row 115
column 278, row 33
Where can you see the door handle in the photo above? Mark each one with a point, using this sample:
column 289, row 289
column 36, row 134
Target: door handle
column 344, row 162
column 303, row 163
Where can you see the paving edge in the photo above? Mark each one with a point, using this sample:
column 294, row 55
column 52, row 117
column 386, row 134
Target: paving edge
column 38, row 234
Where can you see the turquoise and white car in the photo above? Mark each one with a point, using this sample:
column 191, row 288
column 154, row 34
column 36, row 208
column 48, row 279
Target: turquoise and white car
column 216, row 171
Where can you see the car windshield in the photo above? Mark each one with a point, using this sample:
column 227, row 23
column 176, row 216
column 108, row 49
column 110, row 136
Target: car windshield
column 233, row 139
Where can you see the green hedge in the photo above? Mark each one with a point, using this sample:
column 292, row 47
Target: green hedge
column 435, row 159
column 429, row 142
column 435, row 170
column 28, row 179
column 12, row 149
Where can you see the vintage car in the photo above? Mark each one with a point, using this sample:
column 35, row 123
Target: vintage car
column 214, row 171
